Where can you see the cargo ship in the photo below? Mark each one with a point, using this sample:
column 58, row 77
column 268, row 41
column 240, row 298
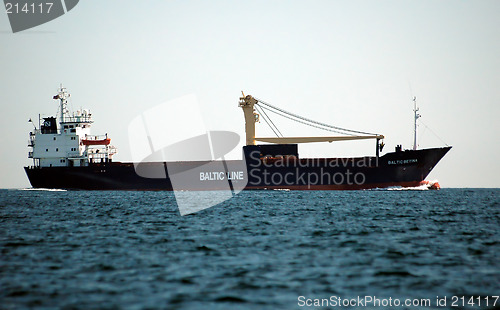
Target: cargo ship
column 67, row 156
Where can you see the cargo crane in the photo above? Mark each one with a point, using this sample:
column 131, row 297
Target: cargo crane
column 254, row 109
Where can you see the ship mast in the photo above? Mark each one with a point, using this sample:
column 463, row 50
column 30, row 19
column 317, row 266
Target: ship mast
column 416, row 117
column 62, row 95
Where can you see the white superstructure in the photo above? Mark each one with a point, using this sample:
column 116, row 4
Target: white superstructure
column 70, row 143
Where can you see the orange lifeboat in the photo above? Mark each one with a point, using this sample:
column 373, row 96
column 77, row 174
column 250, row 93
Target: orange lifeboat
column 96, row 142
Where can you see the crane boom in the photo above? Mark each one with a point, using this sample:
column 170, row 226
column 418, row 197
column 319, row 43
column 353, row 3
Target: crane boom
column 248, row 102
column 286, row 140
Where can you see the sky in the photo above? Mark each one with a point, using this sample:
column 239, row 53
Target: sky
column 353, row 64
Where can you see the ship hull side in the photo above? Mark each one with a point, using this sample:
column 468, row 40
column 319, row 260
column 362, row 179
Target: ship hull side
column 405, row 168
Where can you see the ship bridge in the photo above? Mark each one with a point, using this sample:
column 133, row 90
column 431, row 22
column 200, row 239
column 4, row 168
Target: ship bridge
column 69, row 143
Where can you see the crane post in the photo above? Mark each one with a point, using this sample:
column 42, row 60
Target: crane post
column 247, row 104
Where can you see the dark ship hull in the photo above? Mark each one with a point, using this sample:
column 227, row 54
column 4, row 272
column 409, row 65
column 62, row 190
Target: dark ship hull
column 401, row 168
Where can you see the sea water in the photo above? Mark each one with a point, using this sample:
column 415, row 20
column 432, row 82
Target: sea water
column 259, row 250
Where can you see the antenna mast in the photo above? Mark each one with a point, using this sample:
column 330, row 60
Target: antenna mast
column 416, row 117
column 62, row 95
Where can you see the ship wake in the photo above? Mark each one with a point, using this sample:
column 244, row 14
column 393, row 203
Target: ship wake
column 424, row 186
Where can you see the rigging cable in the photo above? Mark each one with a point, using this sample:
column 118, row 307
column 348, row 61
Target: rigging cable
column 312, row 121
column 308, row 124
column 427, row 127
column 271, row 121
column 268, row 123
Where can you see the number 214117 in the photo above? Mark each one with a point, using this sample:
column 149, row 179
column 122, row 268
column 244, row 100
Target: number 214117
column 480, row 301
column 42, row 8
